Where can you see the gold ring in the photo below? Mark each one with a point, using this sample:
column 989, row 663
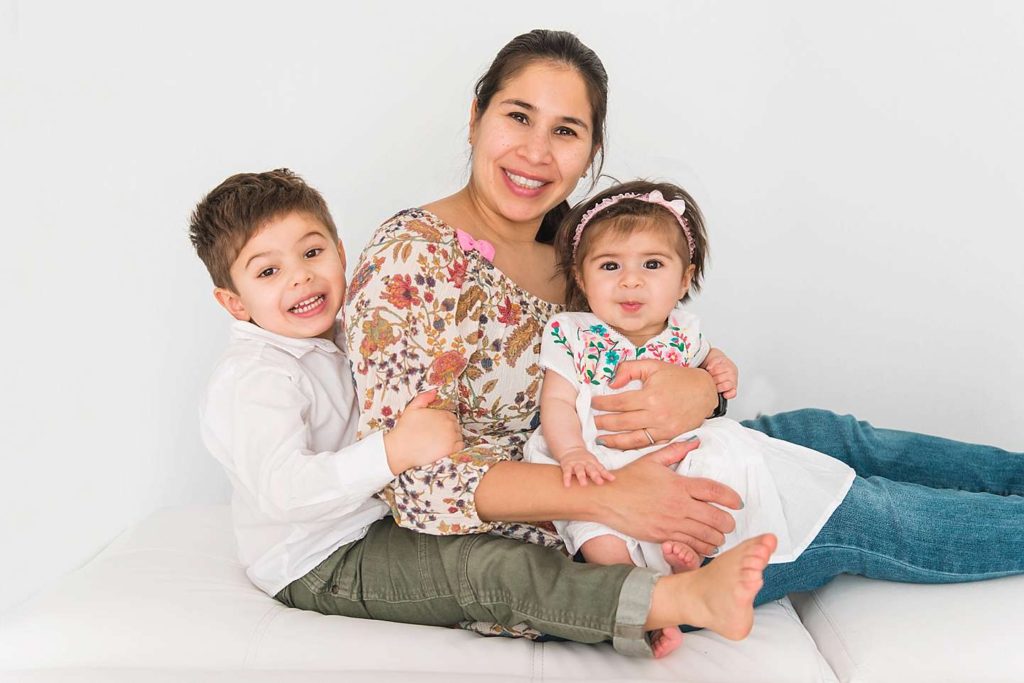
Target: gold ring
column 648, row 435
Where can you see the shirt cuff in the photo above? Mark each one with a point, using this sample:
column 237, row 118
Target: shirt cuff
column 363, row 465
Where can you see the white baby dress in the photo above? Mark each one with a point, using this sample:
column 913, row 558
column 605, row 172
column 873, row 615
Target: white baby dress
column 787, row 490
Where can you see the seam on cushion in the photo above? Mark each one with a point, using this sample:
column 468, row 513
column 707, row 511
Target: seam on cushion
column 837, row 632
column 259, row 632
column 823, row 664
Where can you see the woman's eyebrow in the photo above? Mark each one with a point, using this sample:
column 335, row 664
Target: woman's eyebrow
column 529, row 107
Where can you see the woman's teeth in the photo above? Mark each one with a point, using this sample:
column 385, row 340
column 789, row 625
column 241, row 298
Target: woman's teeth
column 307, row 305
column 524, row 183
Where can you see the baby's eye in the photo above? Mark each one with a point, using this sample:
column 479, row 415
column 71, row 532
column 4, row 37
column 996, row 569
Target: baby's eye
column 609, row 265
column 313, row 253
column 267, row 272
column 519, row 116
column 653, row 264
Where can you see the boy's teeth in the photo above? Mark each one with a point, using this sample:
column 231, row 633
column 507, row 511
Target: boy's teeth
column 308, row 305
column 524, row 183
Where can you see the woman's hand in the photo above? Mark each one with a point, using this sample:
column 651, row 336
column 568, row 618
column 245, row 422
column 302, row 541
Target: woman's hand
column 673, row 401
column 651, row 502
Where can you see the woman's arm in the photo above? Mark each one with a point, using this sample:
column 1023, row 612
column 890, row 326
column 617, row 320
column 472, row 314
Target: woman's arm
column 407, row 318
column 674, row 400
column 647, row 500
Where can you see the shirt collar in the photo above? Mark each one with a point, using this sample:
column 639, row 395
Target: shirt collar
column 295, row 346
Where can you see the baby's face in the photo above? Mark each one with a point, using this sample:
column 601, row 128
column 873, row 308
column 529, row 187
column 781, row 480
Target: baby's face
column 633, row 282
column 290, row 278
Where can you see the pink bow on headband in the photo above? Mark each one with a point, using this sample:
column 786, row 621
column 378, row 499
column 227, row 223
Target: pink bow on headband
column 469, row 244
column 676, row 206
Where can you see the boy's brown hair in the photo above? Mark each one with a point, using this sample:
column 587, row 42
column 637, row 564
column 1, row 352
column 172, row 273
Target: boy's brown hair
column 240, row 207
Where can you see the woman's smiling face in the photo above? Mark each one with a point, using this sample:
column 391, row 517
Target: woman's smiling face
column 533, row 143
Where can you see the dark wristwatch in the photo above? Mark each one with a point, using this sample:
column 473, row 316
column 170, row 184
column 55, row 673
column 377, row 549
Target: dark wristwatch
column 723, row 405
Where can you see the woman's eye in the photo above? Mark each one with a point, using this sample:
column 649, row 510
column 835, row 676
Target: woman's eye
column 652, row 264
column 314, row 252
column 267, row 272
column 520, row 117
column 566, row 132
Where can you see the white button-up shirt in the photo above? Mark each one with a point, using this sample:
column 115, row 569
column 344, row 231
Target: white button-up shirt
column 280, row 415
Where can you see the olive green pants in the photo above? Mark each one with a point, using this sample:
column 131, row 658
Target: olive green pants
column 395, row 574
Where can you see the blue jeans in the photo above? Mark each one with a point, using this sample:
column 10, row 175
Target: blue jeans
column 921, row 510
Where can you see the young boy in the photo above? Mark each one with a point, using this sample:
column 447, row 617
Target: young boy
column 280, row 416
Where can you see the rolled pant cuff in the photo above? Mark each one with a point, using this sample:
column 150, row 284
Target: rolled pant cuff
column 629, row 637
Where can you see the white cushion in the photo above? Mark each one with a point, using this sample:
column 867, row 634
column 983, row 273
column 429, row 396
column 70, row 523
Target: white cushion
column 875, row 631
column 169, row 599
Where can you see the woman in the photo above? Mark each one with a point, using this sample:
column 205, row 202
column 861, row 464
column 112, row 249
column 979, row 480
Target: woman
column 455, row 295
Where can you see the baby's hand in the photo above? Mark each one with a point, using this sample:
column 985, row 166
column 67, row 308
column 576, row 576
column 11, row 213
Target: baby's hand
column 581, row 463
column 724, row 372
column 422, row 435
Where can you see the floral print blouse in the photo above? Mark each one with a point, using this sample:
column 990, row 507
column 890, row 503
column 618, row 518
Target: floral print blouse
column 423, row 312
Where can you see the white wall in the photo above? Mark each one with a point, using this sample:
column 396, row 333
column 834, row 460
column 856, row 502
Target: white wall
column 860, row 164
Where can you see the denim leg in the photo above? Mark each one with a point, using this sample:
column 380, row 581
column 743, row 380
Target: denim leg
column 899, row 456
column 897, row 531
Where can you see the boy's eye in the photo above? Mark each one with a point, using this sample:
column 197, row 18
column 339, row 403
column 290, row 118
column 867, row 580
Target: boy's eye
column 314, row 252
column 519, row 116
column 267, row 272
column 609, row 265
column 652, row 264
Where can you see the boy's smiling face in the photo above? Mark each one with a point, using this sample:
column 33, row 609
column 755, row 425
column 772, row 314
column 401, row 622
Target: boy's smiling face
column 289, row 278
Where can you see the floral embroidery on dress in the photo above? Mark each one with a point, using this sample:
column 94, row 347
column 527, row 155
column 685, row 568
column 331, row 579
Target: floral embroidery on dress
column 597, row 360
column 602, row 348
column 425, row 312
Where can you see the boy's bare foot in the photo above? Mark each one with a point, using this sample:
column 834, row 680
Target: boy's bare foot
column 680, row 558
column 665, row 641
column 719, row 596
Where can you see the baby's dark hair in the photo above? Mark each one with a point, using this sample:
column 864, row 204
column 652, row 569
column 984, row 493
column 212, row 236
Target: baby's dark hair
column 626, row 216
column 241, row 206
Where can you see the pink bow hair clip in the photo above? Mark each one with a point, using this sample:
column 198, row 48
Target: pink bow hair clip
column 485, row 248
column 678, row 206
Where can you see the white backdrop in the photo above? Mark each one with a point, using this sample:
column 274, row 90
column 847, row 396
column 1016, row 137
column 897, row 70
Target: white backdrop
column 860, row 165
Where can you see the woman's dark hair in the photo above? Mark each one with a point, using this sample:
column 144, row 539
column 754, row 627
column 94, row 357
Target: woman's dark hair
column 622, row 218
column 561, row 47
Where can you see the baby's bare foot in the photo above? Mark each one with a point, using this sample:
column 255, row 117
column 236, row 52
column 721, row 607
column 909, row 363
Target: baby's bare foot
column 680, row 558
column 665, row 641
column 720, row 595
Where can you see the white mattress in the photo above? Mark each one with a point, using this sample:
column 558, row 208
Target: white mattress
column 168, row 600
